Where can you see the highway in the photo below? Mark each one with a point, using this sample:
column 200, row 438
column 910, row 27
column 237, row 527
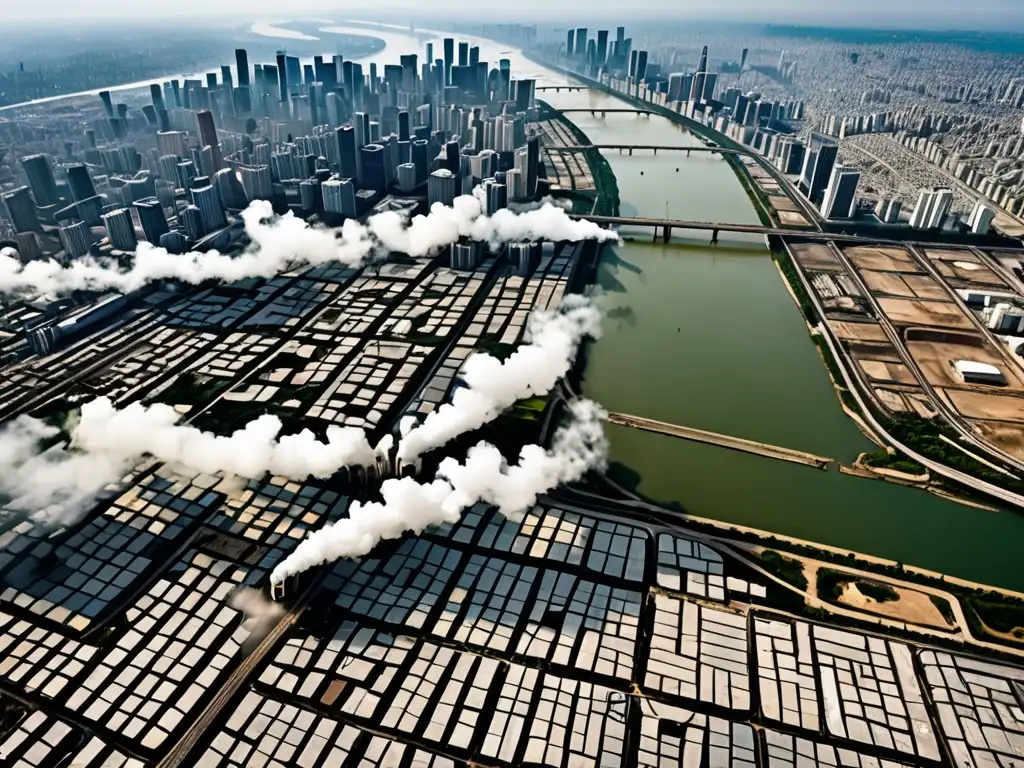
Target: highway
column 654, row 147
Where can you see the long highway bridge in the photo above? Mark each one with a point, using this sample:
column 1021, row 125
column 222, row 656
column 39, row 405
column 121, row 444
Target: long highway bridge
column 602, row 111
column 562, row 88
column 665, row 227
column 648, row 147
column 724, row 441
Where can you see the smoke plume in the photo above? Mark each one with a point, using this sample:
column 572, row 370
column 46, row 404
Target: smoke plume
column 279, row 243
column 107, row 442
column 579, row 445
column 493, row 385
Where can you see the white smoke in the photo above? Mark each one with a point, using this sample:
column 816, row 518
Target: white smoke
column 493, row 385
column 579, row 446
column 107, row 442
column 279, row 243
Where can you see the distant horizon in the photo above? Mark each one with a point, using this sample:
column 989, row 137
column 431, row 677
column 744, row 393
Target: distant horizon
column 946, row 20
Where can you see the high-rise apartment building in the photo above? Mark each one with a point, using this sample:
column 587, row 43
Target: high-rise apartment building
column 120, row 229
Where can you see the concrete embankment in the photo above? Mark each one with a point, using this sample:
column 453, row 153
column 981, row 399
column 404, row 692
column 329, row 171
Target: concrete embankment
column 723, row 441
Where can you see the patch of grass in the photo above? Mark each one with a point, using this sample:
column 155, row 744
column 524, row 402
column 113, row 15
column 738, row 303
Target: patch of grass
column 998, row 612
column 786, row 568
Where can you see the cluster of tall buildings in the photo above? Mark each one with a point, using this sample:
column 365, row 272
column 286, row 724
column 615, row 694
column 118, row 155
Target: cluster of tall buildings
column 324, row 137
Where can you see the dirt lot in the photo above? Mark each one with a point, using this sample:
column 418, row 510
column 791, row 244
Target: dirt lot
column 912, row 607
column 893, row 401
column 935, row 360
column 982, row 405
column 815, row 258
column 925, row 287
column 884, row 259
column 1008, row 437
column 858, row 331
column 932, row 314
column 882, row 371
column 889, row 283
column 782, row 202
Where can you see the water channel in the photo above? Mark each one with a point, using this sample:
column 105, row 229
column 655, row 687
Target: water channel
column 707, row 336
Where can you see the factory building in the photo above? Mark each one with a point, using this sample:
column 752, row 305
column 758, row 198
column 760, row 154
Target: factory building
column 972, row 372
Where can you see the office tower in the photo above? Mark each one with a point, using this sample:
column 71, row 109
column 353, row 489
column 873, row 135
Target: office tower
column 156, row 93
column 108, row 107
column 980, row 221
column 514, row 184
column 21, row 210
column 346, row 139
column 497, row 198
column 632, row 64
column 308, row 194
column 120, row 230
column 524, row 94
column 207, row 200
column 532, row 164
column 420, row 148
column 464, row 256
column 406, row 177
column 192, row 222
column 824, row 162
column 840, row 194
column 242, row 67
column 743, row 59
column 602, row 47
column 40, row 179
column 232, row 194
column 641, row 65
column 463, row 54
column 449, row 58
column 208, row 138
column 282, row 74
column 79, row 181
column 581, row 41
column 922, row 211
column 570, row 36
column 940, row 208
column 710, row 84
column 524, row 257
column 703, row 60
column 152, row 218
column 173, row 242
column 372, row 160
column 441, row 187
column 28, row 246
column 403, row 126
column 186, row 174
column 76, row 239
column 257, row 182
column 339, row 196
column 165, row 193
column 697, row 88
column 171, row 143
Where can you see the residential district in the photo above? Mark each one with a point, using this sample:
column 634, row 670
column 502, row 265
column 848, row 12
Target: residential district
column 596, row 629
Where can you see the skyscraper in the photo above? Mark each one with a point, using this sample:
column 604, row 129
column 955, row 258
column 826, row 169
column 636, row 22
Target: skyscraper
column 346, row 138
column 981, row 218
column 207, row 200
column 257, row 182
column 374, row 176
column 40, row 179
column 940, row 208
column 824, row 162
column 120, row 229
column 208, row 138
column 192, row 222
column 152, row 218
column 532, row 164
column 602, row 47
column 441, row 187
column 21, row 210
column 406, row 177
column 339, row 196
column 282, row 75
column 80, row 182
column 76, row 239
column 840, row 194
column 570, row 37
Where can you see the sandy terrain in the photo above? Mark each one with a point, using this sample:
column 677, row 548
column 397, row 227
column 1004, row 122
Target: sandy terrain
column 912, row 607
column 858, row 331
column 885, row 259
column 964, row 267
column 886, row 283
column 815, row 258
column 982, row 405
column 925, row 287
column 935, row 314
column 935, row 360
column 871, row 350
column 1008, row 437
column 881, row 371
column 893, row 401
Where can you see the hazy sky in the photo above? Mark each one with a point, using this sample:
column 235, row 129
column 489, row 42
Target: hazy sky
column 994, row 14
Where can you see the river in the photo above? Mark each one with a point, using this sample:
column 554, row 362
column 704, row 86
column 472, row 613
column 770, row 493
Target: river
column 708, row 336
